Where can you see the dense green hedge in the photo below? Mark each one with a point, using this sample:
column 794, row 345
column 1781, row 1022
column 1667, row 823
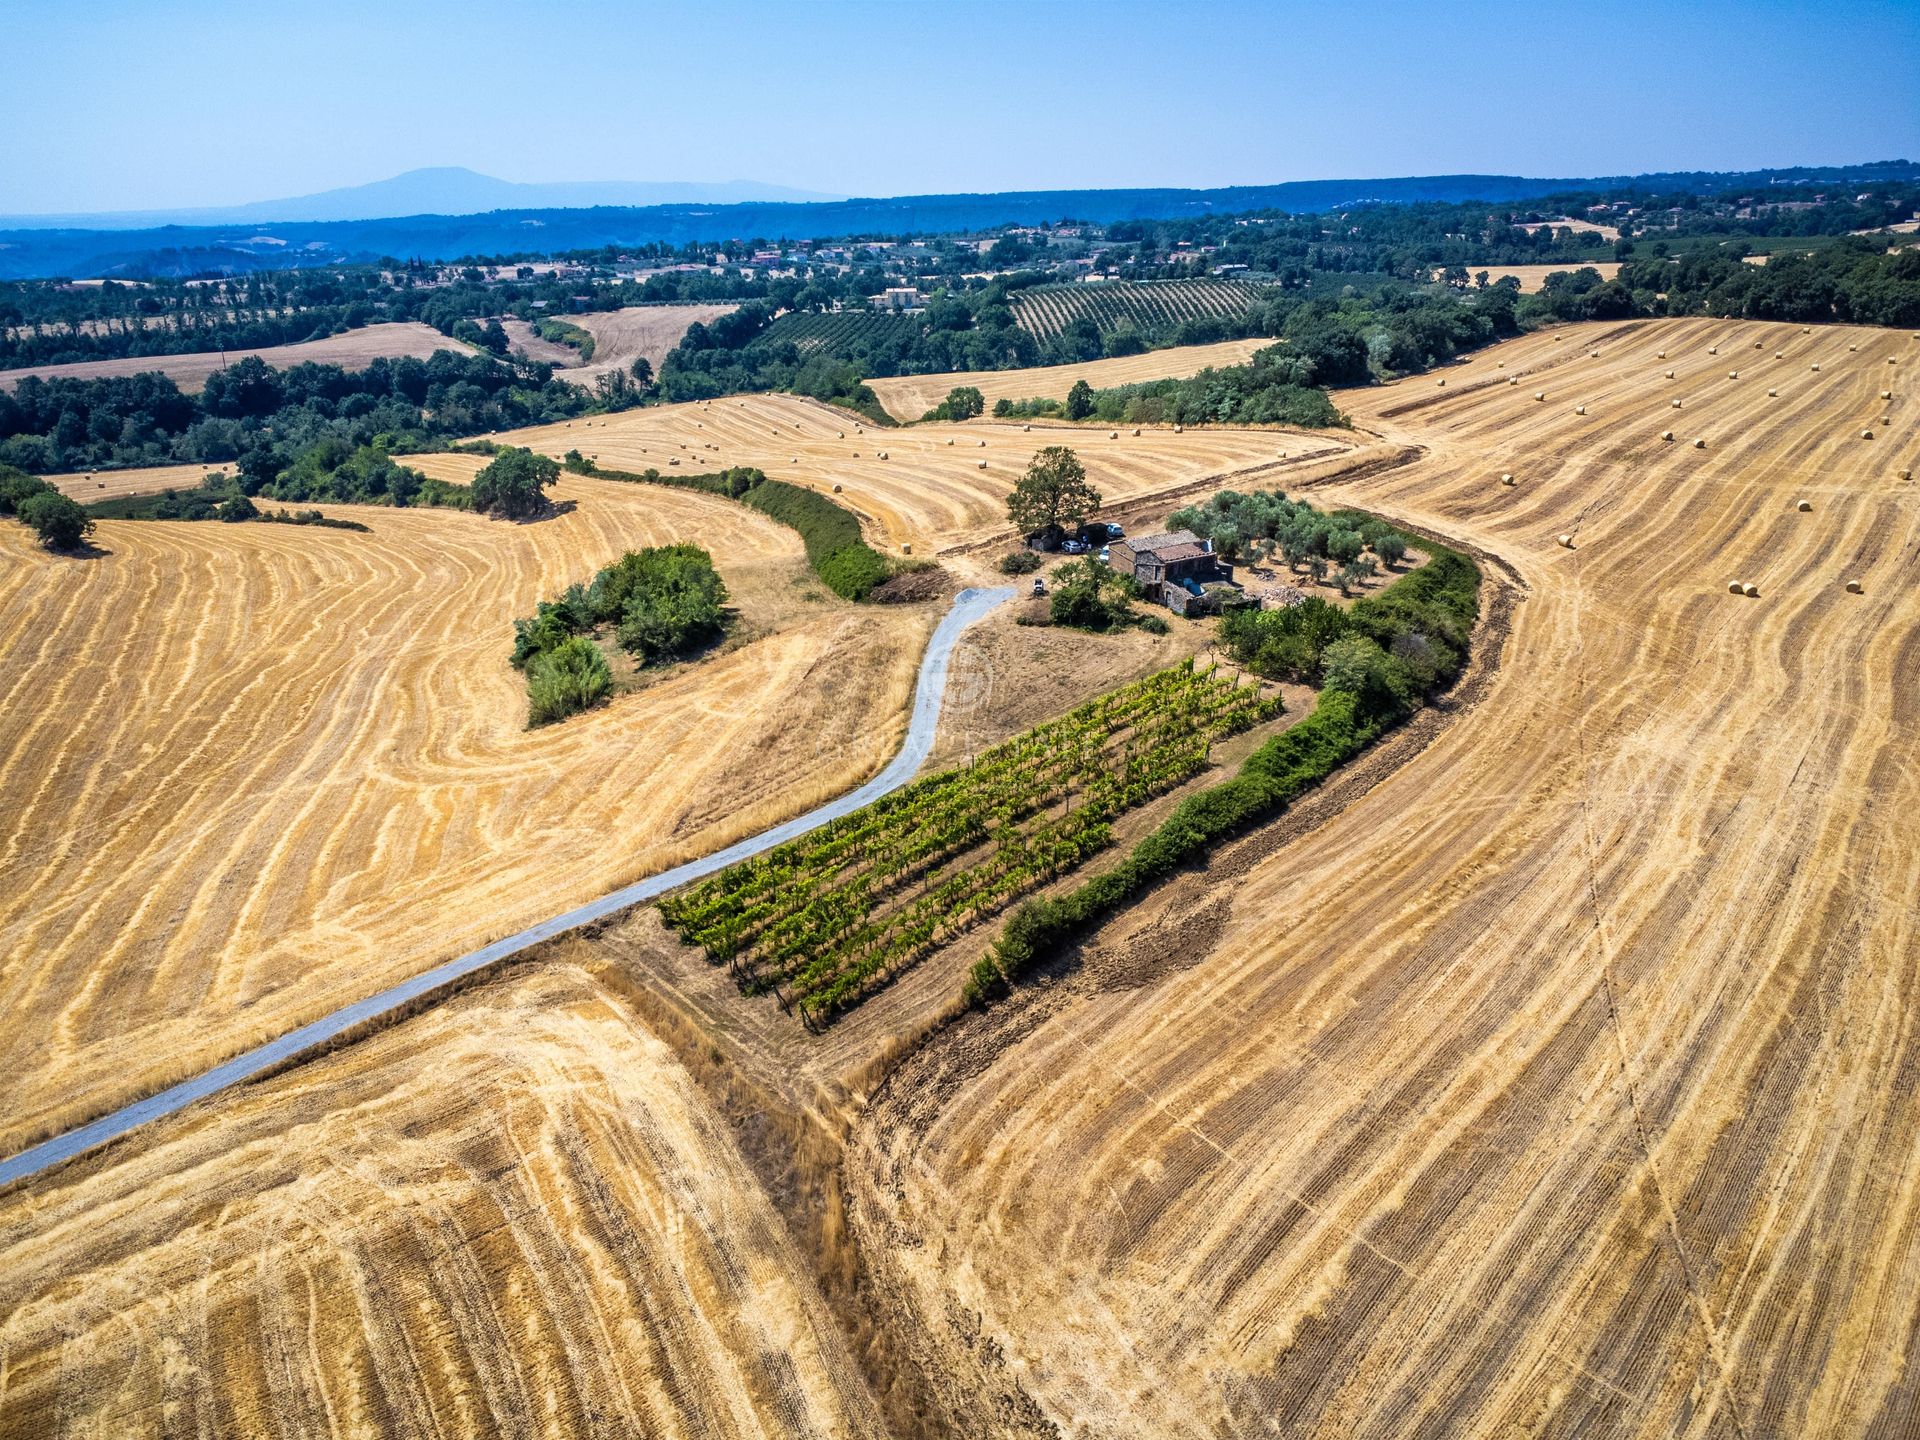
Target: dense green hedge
column 846, row 563
column 1442, row 596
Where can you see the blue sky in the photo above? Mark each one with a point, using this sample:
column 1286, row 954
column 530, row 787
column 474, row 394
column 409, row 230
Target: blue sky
column 116, row 105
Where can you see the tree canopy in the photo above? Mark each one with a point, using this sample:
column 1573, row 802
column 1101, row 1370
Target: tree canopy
column 1053, row 495
column 515, row 484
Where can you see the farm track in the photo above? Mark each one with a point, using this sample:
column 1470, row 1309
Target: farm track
column 1560, row 1083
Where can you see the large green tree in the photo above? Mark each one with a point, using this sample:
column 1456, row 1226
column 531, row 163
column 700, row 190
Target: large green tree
column 59, row 522
column 515, row 484
column 1053, row 495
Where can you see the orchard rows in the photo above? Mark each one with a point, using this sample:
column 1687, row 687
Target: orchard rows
column 822, row 919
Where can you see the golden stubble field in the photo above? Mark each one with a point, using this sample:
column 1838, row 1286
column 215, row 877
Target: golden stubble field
column 514, row 1216
column 1557, row 1081
column 1562, row 1082
column 931, row 490
column 908, row 397
column 249, row 772
column 353, row 349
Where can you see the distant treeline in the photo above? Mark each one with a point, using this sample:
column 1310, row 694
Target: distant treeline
column 406, row 404
column 1853, row 281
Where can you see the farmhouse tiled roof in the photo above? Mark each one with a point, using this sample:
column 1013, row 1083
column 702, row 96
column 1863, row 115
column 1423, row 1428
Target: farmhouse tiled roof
column 1189, row 550
column 1142, row 544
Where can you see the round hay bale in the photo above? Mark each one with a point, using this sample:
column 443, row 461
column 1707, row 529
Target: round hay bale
column 1136, row 431
column 1713, row 350
column 839, row 434
column 1593, row 354
column 1699, row 444
column 1906, row 474
column 836, row 487
column 983, row 444
column 1579, row 409
column 1752, row 592
column 1666, row 435
column 1179, row 429
column 1113, row 434
column 1804, row 506
column 1676, row 404
column 1806, row 329
column 1669, row 374
column 949, row 440
column 1886, row 394
column 1734, row 587
column 1513, row 380
column 1025, row 429
column 1662, row 355
column 1440, row 382
column 1893, row 360
column 1816, row 369
column 1756, row 344
column 1773, row 393
column 1539, row 394
column 1499, row 364
column 905, row 548
column 795, row 460
column 1283, row 454
column 983, row 464
column 1851, row 349
column 1866, row 434
column 1733, row 374
column 883, row 455
column 1566, row 541
column 1506, row 477
column 1853, row 587
column 1778, row 355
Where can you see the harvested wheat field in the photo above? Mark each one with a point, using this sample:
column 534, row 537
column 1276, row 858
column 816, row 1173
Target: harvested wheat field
column 353, row 350
column 1533, row 278
column 88, row 487
column 908, row 397
column 621, row 337
column 932, row 489
column 249, row 772
column 526, row 343
column 1561, row 1081
column 516, row 1215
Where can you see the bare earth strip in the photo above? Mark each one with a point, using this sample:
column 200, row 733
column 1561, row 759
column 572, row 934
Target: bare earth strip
column 1562, row 1083
column 353, row 350
column 908, row 397
column 248, row 772
column 514, row 1216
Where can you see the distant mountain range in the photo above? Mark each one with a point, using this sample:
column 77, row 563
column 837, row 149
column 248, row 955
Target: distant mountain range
column 92, row 249
column 441, row 190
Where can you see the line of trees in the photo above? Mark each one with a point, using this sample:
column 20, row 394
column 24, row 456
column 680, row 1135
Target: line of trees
column 405, row 404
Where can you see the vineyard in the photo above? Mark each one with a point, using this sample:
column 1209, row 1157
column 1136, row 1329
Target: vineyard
column 823, row 919
column 840, row 334
column 1151, row 305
